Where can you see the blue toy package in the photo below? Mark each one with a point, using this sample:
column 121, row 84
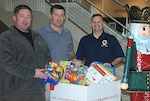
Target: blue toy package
column 109, row 68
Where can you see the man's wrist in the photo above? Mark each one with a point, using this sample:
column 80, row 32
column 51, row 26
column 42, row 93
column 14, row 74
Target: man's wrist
column 112, row 64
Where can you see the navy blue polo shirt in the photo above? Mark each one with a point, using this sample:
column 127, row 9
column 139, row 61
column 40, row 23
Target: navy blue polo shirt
column 104, row 49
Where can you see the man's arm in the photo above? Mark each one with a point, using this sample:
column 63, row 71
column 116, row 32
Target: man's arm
column 72, row 55
column 115, row 62
column 40, row 74
column 74, row 59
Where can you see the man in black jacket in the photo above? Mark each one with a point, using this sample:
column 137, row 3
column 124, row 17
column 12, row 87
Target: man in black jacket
column 23, row 54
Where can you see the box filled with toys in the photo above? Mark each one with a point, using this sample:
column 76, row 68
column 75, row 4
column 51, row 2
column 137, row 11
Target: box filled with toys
column 82, row 83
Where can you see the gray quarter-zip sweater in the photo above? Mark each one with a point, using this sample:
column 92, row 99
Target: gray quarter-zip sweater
column 18, row 61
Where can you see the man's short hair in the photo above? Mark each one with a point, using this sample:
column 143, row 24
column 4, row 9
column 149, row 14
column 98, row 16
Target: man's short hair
column 19, row 7
column 94, row 15
column 57, row 7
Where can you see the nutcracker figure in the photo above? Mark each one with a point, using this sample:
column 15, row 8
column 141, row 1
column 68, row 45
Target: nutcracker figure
column 136, row 77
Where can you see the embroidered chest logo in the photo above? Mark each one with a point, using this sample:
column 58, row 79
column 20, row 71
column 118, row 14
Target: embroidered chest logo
column 104, row 43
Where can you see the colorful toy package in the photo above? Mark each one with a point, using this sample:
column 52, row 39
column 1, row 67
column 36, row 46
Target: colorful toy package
column 99, row 74
column 55, row 73
column 72, row 73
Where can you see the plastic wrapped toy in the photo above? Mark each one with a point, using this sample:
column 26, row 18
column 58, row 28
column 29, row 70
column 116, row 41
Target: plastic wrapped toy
column 55, row 73
column 73, row 74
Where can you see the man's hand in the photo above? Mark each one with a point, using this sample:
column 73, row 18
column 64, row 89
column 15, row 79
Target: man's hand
column 77, row 62
column 107, row 64
column 40, row 74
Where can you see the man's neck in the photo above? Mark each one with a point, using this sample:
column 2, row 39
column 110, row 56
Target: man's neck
column 57, row 29
column 22, row 31
column 97, row 34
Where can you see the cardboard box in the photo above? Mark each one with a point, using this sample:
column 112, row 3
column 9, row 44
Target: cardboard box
column 102, row 92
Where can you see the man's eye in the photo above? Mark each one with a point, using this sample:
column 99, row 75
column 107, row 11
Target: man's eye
column 21, row 15
column 28, row 16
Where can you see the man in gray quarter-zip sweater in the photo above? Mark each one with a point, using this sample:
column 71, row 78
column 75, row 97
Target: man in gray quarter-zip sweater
column 23, row 54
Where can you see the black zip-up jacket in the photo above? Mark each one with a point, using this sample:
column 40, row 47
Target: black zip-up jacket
column 18, row 61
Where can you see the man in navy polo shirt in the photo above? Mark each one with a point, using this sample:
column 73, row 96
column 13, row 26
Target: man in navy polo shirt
column 99, row 46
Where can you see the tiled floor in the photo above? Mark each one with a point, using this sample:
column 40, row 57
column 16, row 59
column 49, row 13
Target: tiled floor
column 125, row 96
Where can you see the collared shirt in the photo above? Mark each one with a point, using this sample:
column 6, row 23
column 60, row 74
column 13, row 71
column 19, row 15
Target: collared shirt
column 60, row 44
column 104, row 49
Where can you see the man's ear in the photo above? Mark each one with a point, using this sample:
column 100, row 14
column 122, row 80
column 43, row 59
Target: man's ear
column 14, row 18
column 49, row 16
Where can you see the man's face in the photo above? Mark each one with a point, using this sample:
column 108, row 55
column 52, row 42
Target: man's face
column 57, row 17
column 97, row 24
column 23, row 19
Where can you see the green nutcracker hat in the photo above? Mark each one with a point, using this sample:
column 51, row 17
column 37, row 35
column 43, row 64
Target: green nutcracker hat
column 138, row 15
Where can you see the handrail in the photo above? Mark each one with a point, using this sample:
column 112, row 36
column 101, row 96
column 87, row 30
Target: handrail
column 126, row 7
column 108, row 15
column 121, row 4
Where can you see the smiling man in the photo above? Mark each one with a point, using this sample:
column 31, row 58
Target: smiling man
column 23, row 55
column 99, row 46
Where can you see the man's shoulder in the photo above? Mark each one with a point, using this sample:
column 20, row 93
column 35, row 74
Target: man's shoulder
column 10, row 31
column 33, row 31
column 43, row 28
column 66, row 30
column 109, row 35
column 86, row 37
column 5, row 33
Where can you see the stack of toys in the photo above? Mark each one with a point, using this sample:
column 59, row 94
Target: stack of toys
column 68, row 72
column 97, row 73
column 73, row 74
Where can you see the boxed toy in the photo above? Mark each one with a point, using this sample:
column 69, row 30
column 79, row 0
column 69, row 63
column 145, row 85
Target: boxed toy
column 97, row 73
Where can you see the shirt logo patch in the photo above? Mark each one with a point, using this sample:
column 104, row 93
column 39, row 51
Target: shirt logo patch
column 104, row 43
